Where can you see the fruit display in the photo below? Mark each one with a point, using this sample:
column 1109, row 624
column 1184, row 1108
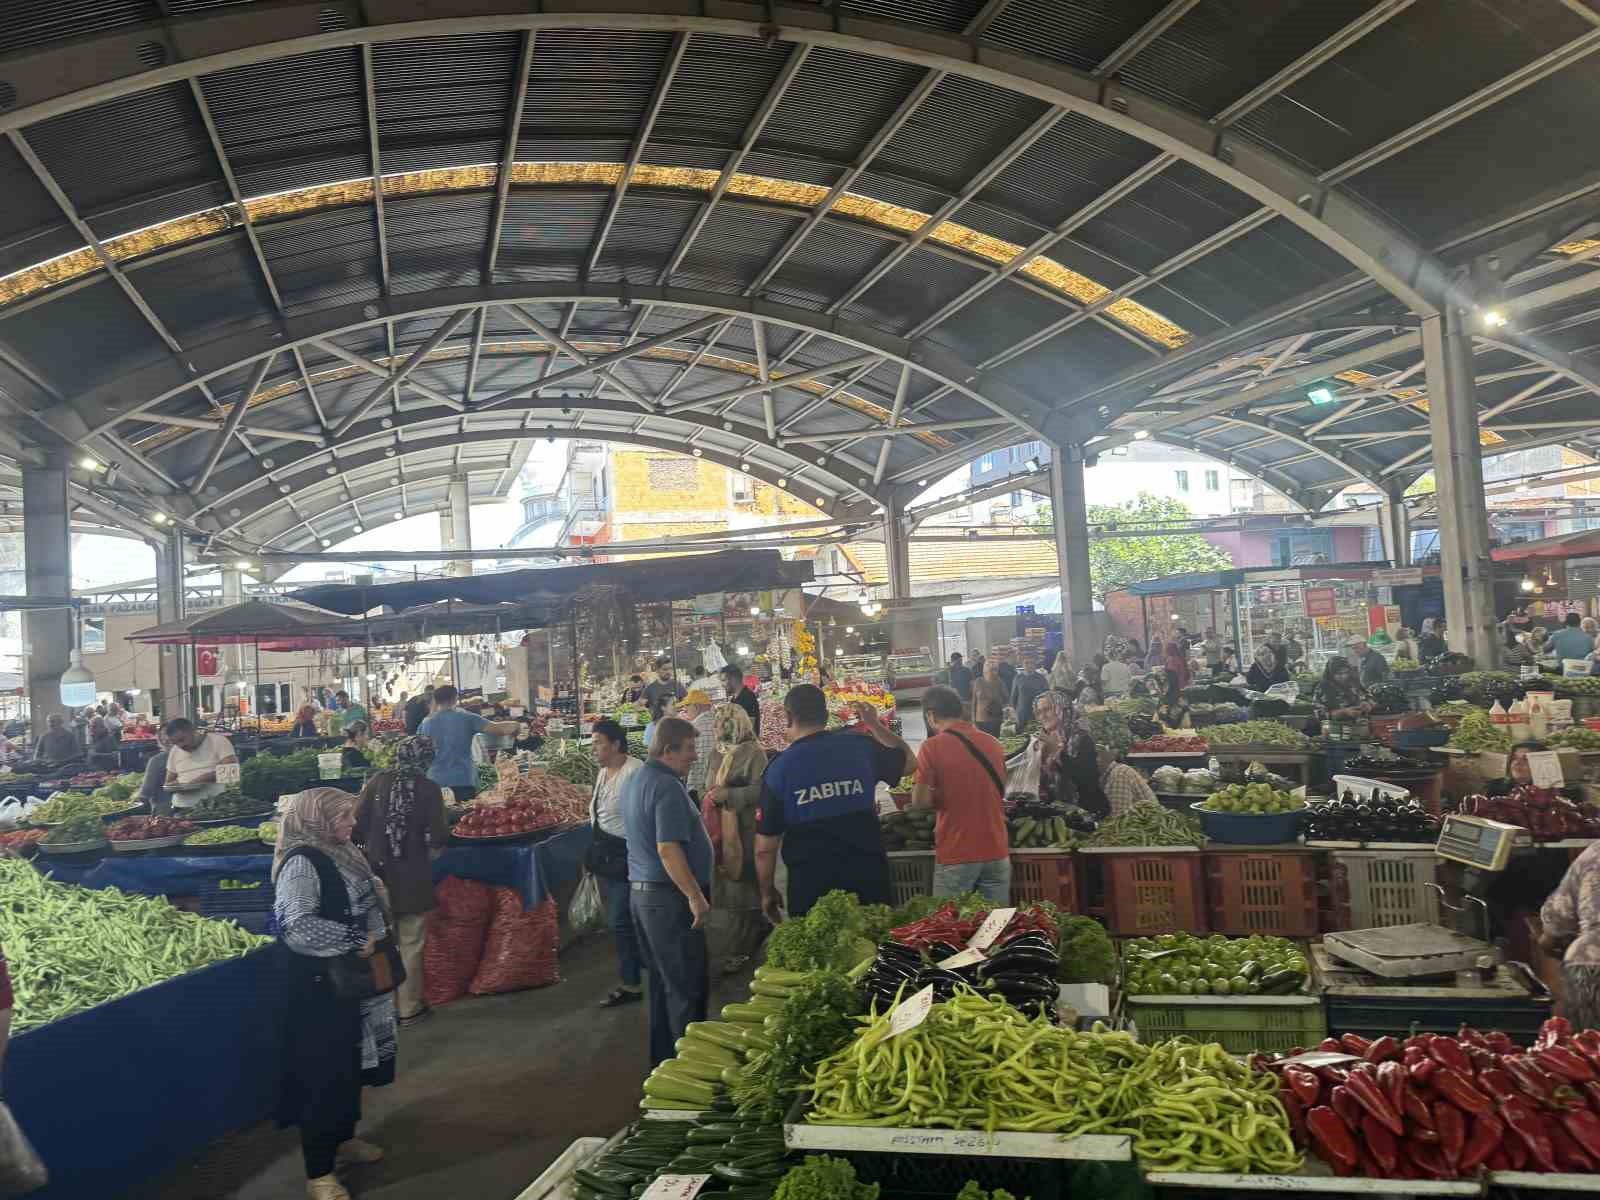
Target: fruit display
column 911, row 829
column 1477, row 733
column 1169, row 744
column 1251, row 799
column 1186, row 964
column 1257, row 733
column 1549, row 817
column 71, row 948
column 1147, row 825
column 1383, row 818
column 221, row 835
column 224, row 806
column 144, row 829
column 64, row 806
column 1038, row 826
column 1577, row 685
column 21, row 841
column 1431, row 1107
column 267, row 832
column 1401, row 665
column 1577, row 738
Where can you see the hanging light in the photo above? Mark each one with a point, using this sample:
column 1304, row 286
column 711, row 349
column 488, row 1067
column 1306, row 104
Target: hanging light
column 741, row 650
column 755, row 610
column 1527, row 583
column 77, row 682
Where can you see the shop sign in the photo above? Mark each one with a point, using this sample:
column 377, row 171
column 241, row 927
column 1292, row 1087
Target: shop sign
column 1398, row 577
column 1321, row 602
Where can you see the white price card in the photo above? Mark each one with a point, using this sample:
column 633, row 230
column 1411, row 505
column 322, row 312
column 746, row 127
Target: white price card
column 516, row 710
column 1546, row 768
column 964, row 959
column 228, row 774
column 993, row 926
column 911, row 1013
column 675, row 1187
column 628, row 720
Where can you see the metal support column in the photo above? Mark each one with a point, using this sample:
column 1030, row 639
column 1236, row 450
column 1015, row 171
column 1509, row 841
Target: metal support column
column 1070, row 514
column 1465, row 566
column 897, row 551
column 47, row 558
column 460, row 525
column 1394, row 522
column 170, row 606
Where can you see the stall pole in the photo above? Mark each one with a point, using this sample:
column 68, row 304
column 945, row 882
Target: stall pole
column 577, row 671
column 1144, row 620
column 1238, row 640
column 258, row 688
column 672, row 634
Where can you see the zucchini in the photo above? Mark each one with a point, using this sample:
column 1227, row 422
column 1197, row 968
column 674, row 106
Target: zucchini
column 756, row 1039
column 732, row 1077
column 719, row 1033
column 580, row 1192
column 782, row 977
column 663, row 1085
column 706, row 1049
column 586, row 1177
column 773, row 1025
column 678, row 1070
column 667, row 1102
column 696, row 1069
column 747, row 1014
column 762, row 988
column 740, row 1175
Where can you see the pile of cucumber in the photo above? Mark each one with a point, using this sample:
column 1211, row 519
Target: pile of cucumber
column 745, row 1160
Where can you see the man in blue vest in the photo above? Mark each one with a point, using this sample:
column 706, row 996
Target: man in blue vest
column 818, row 804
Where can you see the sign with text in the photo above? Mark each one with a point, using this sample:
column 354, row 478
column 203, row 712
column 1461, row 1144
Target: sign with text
column 911, row 1012
column 675, row 1187
column 1545, row 766
column 1321, row 602
column 993, row 926
column 965, row 958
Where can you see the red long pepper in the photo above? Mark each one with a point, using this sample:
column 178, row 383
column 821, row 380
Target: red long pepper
column 1380, row 1143
column 1529, row 1127
column 1452, row 1127
column 1304, row 1084
column 1363, row 1086
column 1564, row 1064
column 1447, row 1053
column 1482, row 1143
column 1455, row 1088
column 1584, row 1127
column 1569, row 1155
column 1333, row 1139
column 1343, row 1102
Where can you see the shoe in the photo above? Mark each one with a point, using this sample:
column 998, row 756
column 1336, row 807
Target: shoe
column 356, row 1151
column 326, row 1187
column 422, row 1014
column 620, row 996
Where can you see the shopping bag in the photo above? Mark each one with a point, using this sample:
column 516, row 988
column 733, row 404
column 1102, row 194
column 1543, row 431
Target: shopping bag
column 1024, row 777
column 21, row 1169
column 588, row 907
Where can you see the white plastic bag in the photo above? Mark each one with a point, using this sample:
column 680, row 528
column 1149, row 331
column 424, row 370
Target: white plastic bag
column 588, row 907
column 1024, row 777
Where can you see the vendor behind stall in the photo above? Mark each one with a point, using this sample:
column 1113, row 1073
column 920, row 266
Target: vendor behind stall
column 353, row 754
column 1267, row 670
column 57, row 744
column 1340, row 692
column 153, row 791
column 1105, row 787
column 1571, row 918
column 193, row 761
column 1174, row 711
column 102, row 754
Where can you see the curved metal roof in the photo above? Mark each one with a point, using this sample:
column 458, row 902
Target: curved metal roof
column 291, row 266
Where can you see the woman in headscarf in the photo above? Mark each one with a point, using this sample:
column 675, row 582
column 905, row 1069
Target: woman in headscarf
column 1266, row 671
column 1054, row 712
column 1061, row 677
column 328, row 902
column 734, row 782
column 400, row 824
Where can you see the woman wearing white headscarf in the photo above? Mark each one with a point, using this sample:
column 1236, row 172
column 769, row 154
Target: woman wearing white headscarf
column 734, row 779
column 1062, row 678
column 328, row 902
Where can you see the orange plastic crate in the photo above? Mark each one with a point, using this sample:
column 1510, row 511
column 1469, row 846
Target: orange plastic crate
column 1052, row 875
column 1262, row 891
column 1149, row 893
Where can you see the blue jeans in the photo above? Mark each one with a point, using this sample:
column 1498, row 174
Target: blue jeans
column 991, row 879
column 620, row 921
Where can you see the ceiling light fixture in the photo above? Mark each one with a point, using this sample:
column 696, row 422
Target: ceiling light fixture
column 1494, row 318
column 160, row 518
column 1320, row 395
column 1139, row 435
column 88, row 464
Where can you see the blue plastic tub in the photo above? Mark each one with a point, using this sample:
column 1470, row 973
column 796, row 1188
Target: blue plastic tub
column 1250, row 829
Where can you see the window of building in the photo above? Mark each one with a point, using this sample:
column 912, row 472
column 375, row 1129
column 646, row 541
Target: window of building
column 94, row 635
column 1183, row 480
column 986, row 462
column 1213, row 481
column 1015, row 499
column 743, row 492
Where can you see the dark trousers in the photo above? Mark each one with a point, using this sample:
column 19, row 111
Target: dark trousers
column 675, row 953
column 619, row 918
column 322, row 1083
column 992, row 728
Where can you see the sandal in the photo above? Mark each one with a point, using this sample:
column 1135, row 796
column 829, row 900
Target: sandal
column 620, row 996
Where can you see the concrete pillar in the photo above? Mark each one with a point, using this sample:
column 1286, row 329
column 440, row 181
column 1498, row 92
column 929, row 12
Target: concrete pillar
column 897, row 553
column 1070, row 512
column 232, row 586
column 1394, row 523
column 175, row 661
column 47, row 559
column 460, row 525
column 1464, row 564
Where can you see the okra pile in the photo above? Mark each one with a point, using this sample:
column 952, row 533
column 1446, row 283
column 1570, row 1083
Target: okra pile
column 70, row 948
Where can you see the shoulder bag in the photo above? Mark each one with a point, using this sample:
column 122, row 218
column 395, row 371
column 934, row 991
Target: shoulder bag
column 607, row 855
column 988, row 767
column 349, row 975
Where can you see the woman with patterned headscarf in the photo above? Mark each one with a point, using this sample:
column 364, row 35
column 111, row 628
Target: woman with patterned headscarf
column 328, row 902
column 400, row 823
column 734, row 782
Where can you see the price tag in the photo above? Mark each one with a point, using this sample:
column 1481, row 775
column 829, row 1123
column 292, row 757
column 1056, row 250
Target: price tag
column 993, row 926
column 228, row 774
column 1546, row 768
column 628, row 720
column 964, row 959
column 675, row 1187
column 1312, row 1059
column 911, row 1013
column 516, row 710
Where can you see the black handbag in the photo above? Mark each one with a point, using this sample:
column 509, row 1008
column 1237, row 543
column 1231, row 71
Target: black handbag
column 607, row 856
column 350, row 976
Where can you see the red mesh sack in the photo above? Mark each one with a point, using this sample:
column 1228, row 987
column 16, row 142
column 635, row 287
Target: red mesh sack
column 521, row 949
column 457, row 929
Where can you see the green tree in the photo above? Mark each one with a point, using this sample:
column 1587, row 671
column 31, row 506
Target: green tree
column 1115, row 562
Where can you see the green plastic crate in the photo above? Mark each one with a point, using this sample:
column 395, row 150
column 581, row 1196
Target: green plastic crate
column 1240, row 1025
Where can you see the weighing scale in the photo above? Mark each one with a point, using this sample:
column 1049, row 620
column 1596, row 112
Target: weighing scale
column 1407, row 951
column 1480, row 843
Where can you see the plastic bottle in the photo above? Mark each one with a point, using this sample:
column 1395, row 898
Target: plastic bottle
column 1538, row 717
column 1498, row 715
column 1519, row 727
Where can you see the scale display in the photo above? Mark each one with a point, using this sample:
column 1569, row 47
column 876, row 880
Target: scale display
column 1477, row 842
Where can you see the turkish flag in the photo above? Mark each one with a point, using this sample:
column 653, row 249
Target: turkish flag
column 208, row 661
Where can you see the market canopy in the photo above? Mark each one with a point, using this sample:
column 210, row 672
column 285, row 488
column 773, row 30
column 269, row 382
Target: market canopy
column 1585, row 543
column 651, row 581
column 272, row 626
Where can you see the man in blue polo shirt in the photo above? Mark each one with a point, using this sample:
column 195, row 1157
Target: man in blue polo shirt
column 669, row 874
column 452, row 731
column 818, row 803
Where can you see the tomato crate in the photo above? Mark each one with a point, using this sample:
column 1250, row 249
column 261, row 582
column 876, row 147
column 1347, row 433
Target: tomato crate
column 910, row 874
column 1262, row 891
column 1373, row 889
column 1151, row 890
column 1241, row 1024
column 1052, row 875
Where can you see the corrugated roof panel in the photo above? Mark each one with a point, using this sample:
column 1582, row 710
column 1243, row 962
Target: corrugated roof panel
column 133, row 161
column 894, row 189
column 1265, row 266
column 25, row 24
column 590, row 84
column 734, row 246
column 836, row 103
column 1066, row 365
column 683, row 154
column 998, row 320
column 718, row 87
column 323, row 258
column 792, row 166
column 1079, row 33
column 207, row 290
column 436, row 241
column 442, row 102
column 951, row 16
column 1071, row 165
column 547, row 146
column 32, row 228
column 920, row 283
column 820, row 270
column 989, row 119
column 105, row 336
column 647, row 230
column 545, row 235
column 998, row 223
column 292, row 122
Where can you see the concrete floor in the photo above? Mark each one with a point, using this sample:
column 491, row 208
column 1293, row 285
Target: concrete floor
column 492, row 1089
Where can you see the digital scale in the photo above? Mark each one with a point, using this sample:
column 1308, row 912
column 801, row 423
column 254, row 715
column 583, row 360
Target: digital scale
column 1407, row 951
column 1478, row 842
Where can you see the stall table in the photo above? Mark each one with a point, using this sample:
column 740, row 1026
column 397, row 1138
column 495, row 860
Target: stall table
column 1274, row 758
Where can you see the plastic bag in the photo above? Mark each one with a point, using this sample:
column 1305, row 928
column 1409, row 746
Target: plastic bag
column 21, row 1169
column 588, row 908
column 1024, row 777
column 457, row 930
column 521, row 949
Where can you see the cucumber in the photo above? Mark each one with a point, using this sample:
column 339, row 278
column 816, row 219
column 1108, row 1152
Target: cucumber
column 709, row 1051
column 741, row 1175
column 761, row 987
column 748, row 1014
column 697, row 1069
column 783, row 978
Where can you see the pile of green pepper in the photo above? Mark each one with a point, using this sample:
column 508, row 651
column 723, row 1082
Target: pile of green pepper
column 978, row 1063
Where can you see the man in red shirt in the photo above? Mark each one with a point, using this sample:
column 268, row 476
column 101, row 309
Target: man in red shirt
column 961, row 773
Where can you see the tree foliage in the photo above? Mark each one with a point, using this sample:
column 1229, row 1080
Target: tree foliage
column 1115, row 562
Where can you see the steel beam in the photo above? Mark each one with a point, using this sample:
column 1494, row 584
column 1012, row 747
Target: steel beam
column 376, row 154
column 508, row 158
column 446, row 328
column 230, row 425
column 363, row 363
column 894, row 420
column 783, row 381
column 233, row 190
